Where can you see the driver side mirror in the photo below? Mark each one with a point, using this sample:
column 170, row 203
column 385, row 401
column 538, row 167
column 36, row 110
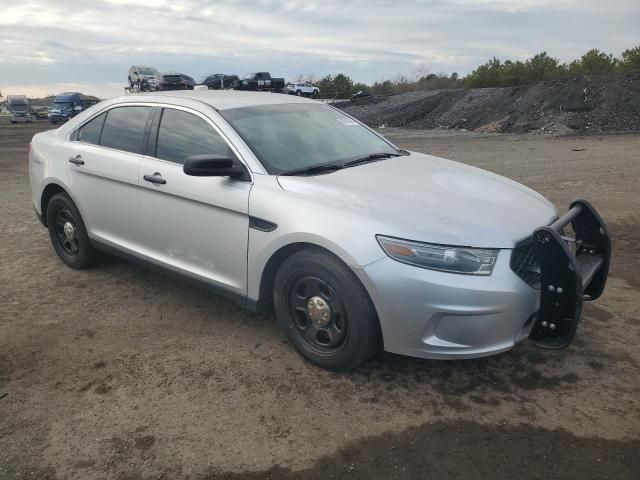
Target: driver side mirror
column 211, row 165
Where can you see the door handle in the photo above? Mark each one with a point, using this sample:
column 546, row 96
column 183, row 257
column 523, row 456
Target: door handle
column 155, row 178
column 77, row 160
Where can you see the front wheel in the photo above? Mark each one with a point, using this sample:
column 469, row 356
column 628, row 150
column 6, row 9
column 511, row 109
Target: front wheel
column 68, row 233
column 325, row 311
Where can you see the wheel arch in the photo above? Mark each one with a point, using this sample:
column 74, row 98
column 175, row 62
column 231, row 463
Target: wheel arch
column 49, row 191
column 264, row 304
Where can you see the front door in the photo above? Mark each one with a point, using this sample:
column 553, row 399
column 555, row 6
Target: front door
column 194, row 225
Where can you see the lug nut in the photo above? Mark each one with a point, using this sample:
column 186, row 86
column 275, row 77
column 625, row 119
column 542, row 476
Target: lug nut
column 551, row 288
column 544, row 324
column 552, row 326
column 559, row 290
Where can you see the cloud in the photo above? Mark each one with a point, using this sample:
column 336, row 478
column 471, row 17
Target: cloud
column 93, row 43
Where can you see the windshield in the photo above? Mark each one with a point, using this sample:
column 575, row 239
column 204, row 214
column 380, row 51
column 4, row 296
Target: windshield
column 62, row 105
column 20, row 107
column 293, row 136
column 147, row 71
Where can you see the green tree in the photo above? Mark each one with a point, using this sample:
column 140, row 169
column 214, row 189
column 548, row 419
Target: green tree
column 340, row 84
column 487, row 75
column 543, row 67
column 514, row 73
column 594, row 62
column 630, row 60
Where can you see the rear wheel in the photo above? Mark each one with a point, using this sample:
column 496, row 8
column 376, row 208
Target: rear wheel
column 299, row 93
column 68, row 233
column 325, row 311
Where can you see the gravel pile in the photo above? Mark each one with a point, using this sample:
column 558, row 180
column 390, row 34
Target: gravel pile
column 582, row 104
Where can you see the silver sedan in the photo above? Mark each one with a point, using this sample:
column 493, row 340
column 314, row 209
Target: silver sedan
column 290, row 206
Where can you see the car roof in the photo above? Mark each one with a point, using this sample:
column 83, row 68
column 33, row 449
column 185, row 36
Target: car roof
column 218, row 99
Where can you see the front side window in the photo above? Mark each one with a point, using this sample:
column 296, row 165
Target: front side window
column 182, row 134
column 124, row 129
column 90, row 131
column 300, row 135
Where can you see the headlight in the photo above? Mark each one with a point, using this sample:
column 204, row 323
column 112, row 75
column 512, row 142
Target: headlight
column 471, row 261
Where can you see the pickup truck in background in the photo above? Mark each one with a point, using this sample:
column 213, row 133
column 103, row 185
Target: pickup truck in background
column 261, row 81
column 18, row 107
column 65, row 106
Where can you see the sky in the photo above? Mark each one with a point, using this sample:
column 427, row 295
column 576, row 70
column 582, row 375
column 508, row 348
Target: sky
column 49, row 46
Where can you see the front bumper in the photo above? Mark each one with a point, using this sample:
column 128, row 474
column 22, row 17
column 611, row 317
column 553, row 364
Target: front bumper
column 430, row 314
column 58, row 118
column 173, row 86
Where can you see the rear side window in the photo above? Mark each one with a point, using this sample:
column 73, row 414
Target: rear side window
column 182, row 134
column 124, row 129
column 90, row 131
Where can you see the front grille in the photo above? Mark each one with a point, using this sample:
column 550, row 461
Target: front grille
column 525, row 264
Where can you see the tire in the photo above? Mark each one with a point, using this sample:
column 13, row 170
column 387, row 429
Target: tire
column 325, row 311
column 72, row 245
column 315, row 92
column 299, row 93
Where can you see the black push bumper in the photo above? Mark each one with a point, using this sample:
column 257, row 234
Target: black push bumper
column 572, row 270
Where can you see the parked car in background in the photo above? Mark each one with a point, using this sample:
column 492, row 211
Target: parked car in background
column 174, row 81
column 142, row 73
column 40, row 112
column 262, row 81
column 301, row 89
column 18, row 107
column 360, row 94
column 65, row 106
column 188, row 81
column 219, row 81
column 288, row 205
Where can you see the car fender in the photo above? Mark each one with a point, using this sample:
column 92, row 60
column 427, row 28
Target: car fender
column 281, row 218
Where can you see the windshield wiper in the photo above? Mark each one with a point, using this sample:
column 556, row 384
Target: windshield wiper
column 370, row 158
column 327, row 167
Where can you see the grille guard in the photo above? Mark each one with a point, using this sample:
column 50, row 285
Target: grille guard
column 567, row 278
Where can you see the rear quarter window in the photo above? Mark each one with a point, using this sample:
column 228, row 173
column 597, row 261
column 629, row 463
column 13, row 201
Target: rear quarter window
column 90, row 131
column 124, row 129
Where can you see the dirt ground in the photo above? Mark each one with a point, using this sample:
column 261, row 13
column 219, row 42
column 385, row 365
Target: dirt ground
column 122, row 373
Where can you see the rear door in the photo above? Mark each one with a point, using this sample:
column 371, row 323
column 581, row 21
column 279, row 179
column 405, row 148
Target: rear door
column 103, row 163
column 195, row 225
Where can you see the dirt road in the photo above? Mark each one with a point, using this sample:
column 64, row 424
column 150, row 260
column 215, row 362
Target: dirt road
column 121, row 373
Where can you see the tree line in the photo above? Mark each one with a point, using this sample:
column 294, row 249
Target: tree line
column 494, row 73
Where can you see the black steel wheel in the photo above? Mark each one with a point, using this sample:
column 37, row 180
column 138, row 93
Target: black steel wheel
column 325, row 311
column 68, row 233
column 318, row 312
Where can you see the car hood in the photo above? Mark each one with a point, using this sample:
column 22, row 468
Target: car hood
column 425, row 198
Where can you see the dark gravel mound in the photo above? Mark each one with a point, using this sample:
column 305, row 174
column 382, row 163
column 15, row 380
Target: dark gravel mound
column 582, row 104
